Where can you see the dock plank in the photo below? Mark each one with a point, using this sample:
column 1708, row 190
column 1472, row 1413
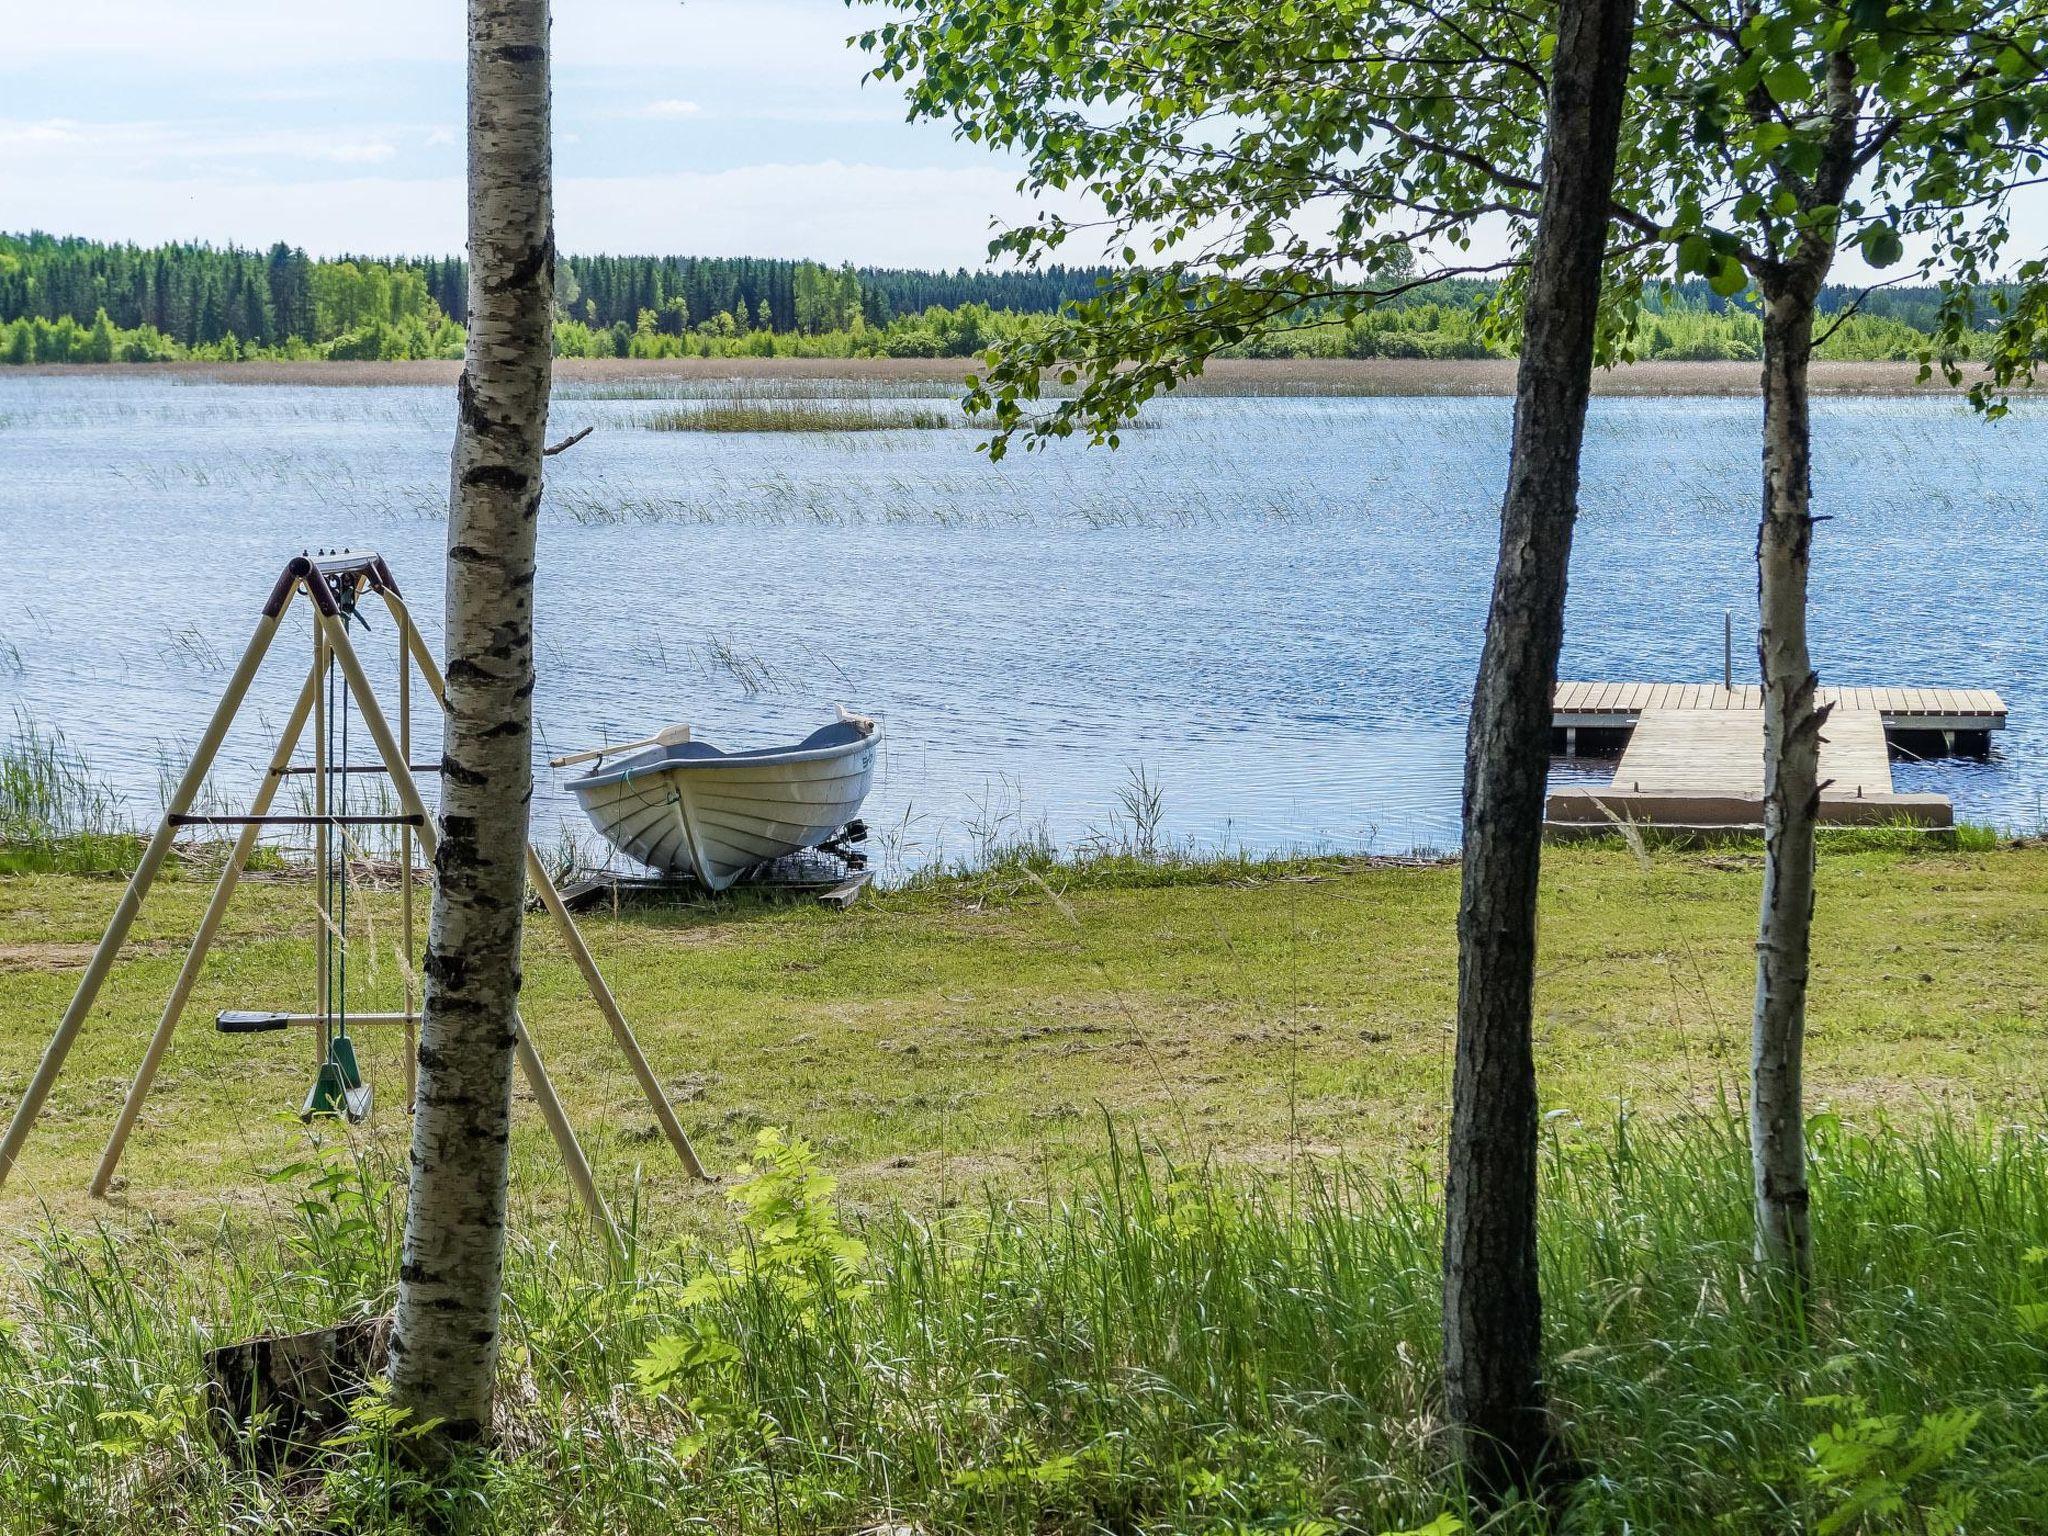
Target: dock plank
column 1718, row 751
column 1704, row 751
column 1622, row 700
column 1853, row 756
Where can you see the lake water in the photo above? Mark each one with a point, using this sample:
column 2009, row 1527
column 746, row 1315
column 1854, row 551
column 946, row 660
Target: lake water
column 1270, row 607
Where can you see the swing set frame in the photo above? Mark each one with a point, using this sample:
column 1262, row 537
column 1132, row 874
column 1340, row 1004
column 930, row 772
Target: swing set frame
column 332, row 583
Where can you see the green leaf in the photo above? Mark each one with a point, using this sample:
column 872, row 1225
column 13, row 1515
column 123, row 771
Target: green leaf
column 1446, row 1524
column 1729, row 278
column 1881, row 245
column 1787, row 81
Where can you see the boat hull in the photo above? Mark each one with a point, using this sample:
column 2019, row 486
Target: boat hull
column 694, row 811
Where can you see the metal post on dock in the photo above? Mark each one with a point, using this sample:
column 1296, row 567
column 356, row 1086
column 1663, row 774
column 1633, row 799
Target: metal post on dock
column 1728, row 649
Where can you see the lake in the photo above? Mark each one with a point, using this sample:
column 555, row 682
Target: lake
column 1269, row 608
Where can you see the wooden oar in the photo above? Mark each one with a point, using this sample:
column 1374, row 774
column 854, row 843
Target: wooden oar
column 673, row 736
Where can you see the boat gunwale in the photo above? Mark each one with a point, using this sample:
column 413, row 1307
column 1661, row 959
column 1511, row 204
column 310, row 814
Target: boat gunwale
column 629, row 772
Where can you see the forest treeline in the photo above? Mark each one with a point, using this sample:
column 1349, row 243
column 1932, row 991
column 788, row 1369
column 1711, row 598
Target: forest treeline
column 70, row 300
column 221, row 302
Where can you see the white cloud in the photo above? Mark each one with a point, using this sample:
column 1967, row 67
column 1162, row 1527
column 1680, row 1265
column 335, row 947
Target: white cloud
column 671, row 107
column 257, row 35
column 885, row 215
column 928, row 217
column 706, row 39
column 127, row 143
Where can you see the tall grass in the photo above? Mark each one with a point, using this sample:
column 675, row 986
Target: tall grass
column 739, row 412
column 1159, row 1348
column 55, row 812
column 850, row 385
column 748, row 409
column 60, row 815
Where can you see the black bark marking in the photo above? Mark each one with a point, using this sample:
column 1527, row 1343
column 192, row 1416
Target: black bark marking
column 466, row 411
column 534, row 264
column 448, row 971
column 462, row 672
column 498, row 476
column 453, row 772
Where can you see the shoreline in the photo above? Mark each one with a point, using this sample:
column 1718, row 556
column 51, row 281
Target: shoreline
column 1385, row 377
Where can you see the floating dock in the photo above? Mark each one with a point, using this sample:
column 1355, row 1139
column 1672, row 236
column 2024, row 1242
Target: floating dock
column 1692, row 753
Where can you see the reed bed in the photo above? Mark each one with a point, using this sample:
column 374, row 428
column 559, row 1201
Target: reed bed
column 56, row 813
column 60, row 815
column 762, row 386
column 815, row 410
column 746, row 413
column 1149, row 1348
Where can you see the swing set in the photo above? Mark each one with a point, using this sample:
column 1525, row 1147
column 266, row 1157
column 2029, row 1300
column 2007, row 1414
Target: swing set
column 335, row 693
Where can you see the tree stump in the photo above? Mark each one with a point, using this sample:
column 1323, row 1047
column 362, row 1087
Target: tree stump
column 281, row 1396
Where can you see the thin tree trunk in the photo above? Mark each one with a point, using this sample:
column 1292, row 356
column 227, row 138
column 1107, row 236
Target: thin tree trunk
column 1792, row 716
column 1792, row 726
column 1493, row 1319
column 445, row 1341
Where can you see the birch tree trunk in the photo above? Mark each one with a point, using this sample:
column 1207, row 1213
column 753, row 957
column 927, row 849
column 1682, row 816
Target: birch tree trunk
column 445, row 1341
column 1792, row 726
column 1792, row 716
column 1492, row 1306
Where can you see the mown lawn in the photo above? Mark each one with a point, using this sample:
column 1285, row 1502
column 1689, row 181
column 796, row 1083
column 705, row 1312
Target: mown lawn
column 931, row 1041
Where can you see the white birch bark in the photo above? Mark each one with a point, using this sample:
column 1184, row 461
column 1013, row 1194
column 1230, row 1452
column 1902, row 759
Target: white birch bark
column 445, row 1342
column 1792, row 725
column 1792, row 716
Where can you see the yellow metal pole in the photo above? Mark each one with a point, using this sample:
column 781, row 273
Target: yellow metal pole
column 409, row 796
column 536, row 872
column 323, row 955
column 202, row 941
column 608, row 1005
column 146, row 870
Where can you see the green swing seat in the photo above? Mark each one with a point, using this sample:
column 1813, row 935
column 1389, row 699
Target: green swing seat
column 338, row 1088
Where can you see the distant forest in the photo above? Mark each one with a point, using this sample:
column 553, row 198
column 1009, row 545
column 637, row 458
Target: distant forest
column 64, row 299
column 200, row 295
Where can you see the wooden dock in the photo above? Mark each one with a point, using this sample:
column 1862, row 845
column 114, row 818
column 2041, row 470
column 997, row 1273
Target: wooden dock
column 1924, row 709
column 1692, row 753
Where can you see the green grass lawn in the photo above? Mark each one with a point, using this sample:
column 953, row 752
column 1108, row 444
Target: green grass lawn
column 930, row 1041
column 1000, row 1325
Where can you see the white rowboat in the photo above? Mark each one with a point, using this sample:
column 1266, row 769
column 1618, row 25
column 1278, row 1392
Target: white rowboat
column 690, row 809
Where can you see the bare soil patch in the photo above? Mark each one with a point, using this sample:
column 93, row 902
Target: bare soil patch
column 58, row 955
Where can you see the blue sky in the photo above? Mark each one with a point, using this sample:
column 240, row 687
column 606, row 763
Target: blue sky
column 716, row 127
column 691, row 127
